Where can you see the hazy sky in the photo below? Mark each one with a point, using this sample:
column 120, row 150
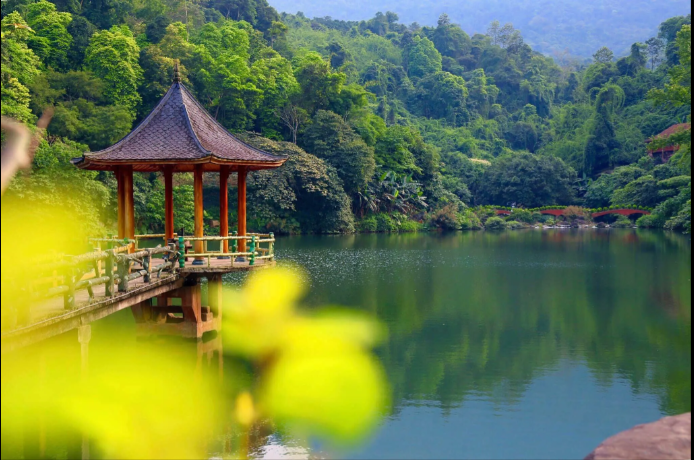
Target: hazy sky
column 581, row 26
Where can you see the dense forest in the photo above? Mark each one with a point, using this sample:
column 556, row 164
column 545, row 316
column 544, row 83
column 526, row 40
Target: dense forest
column 387, row 127
column 558, row 28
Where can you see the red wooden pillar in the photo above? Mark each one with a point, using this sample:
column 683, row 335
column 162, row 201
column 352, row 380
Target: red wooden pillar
column 242, row 173
column 168, row 204
column 121, row 205
column 128, row 202
column 224, row 206
column 199, row 225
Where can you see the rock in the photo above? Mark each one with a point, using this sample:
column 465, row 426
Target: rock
column 667, row 439
column 602, row 225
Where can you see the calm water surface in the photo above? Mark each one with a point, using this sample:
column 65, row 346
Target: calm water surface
column 532, row 344
column 536, row 344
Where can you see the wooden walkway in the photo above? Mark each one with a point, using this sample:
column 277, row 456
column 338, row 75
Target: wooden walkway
column 49, row 318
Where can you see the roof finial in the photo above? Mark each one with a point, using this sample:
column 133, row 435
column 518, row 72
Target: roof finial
column 177, row 73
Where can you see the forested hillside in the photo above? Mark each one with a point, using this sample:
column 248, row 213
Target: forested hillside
column 578, row 27
column 385, row 125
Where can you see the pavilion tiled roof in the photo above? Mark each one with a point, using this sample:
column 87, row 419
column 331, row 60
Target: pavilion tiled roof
column 674, row 129
column 179, row 132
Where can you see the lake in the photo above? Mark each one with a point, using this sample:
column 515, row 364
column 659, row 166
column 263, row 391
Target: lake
column 530, row 344
column 525, row 344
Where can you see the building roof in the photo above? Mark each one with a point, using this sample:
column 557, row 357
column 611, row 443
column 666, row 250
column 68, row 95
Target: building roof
column 672, row 130
column 179, row 133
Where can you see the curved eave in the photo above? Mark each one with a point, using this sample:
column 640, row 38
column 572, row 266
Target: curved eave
column 210, row 164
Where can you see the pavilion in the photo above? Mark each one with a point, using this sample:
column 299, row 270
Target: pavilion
column 180, row 136
column 666, row 152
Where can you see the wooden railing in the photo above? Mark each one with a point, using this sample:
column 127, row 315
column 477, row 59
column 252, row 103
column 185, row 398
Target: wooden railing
column 260, row 246
column 254, row 253
column 112, row 267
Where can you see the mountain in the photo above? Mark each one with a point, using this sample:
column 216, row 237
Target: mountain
column 579, row 26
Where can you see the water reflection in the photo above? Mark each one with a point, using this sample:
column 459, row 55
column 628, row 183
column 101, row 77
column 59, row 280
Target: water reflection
column 516, row 335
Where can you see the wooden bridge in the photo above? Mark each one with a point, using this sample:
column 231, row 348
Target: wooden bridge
column 162, row 286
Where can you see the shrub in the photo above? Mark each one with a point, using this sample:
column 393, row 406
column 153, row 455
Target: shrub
column 522, row 215
column 496, row 223
column 551, row 222
column 537, row 217
column 409, row 226
column 368, row 224
column 470, row 221
column 683, row 220
column 623, row 222
column 385, row 224
column 575, row 212
column 514, row 225
column 446, row 218
column 652, row 221
column 485, row 213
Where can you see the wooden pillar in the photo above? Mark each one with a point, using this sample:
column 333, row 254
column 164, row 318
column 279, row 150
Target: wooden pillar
column 224, row 205
column 242, row 174
column 121, row 205
column 199, row 225
column 128, row 202
column 168, row 204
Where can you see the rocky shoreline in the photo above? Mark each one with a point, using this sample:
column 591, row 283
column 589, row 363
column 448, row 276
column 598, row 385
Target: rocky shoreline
column 669, row 438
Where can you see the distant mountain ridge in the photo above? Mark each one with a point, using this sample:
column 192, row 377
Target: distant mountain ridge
column 579, row 26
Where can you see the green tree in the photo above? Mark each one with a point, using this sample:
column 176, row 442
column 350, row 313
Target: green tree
column 655, row 49
column 81, row 31
column 423, row 58
column 113, row 56
column 602, row 143
column 80, row 111
column 305, row 194
column 52, row 41
column 106, row 13
column 450, row 40
column 441, row 95
column 330, row 138
column 156, row 29
column 19, row 68
column 600, row 191
column 318, row 83
column 527, row 180
column 641, row 192
column 603, row 56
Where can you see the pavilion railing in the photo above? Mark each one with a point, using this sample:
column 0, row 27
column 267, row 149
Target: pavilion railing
column 259, row 247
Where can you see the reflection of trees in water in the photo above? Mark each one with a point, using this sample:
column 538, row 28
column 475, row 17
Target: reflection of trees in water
column 489, row 312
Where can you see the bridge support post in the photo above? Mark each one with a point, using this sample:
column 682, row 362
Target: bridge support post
column 241, row 203
column 180, row 312
column 84, row 336
column 214, row 295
